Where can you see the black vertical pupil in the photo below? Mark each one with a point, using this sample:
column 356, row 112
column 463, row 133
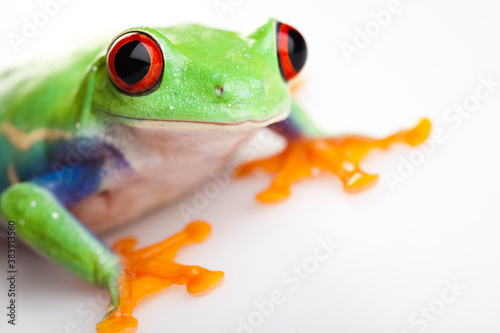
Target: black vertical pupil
column 132, row 62
column 297, row 49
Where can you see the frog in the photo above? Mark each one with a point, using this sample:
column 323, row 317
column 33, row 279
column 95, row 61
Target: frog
column 118, row 129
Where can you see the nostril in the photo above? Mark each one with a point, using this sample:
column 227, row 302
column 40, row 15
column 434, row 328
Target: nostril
column 219, row 90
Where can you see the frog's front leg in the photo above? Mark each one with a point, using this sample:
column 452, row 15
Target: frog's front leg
column 152, row 269
column 308, row 148
column 44, row 223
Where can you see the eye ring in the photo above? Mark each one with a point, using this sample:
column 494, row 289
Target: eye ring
column 291, row 49
column 135, row 63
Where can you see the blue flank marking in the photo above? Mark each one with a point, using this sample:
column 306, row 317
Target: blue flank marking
column 73, row 183
column 287, row 128
column 76, row 168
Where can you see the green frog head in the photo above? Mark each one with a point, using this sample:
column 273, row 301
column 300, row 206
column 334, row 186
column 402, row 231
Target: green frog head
column 191, row 75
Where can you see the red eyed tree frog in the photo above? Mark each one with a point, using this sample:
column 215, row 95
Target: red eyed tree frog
column 98, row 139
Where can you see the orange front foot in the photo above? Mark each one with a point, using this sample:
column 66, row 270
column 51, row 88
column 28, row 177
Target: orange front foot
column 152, row 269
column 340, row 155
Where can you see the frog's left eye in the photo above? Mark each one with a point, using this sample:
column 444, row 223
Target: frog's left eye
column 292, row 50
column 135, row 63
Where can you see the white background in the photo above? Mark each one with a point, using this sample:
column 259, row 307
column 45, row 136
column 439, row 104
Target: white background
column 397, row 245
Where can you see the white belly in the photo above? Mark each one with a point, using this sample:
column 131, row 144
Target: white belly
column 164, row 166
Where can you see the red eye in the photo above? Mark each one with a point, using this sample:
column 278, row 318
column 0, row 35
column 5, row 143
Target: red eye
column 135, row 64
column 291, row 49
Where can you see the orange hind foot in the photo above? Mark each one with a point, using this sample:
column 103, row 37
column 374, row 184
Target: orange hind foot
column 152, row 269
column 340, row 155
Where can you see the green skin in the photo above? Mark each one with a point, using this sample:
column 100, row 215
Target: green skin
column 76, row 98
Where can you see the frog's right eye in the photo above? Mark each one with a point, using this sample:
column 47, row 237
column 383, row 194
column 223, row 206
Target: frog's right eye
column 135, row 63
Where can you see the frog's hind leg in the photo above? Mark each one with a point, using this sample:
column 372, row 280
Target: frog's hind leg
column 152, row 269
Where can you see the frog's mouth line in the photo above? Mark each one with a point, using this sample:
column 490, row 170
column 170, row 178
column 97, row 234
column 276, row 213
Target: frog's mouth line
column 197, row 125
